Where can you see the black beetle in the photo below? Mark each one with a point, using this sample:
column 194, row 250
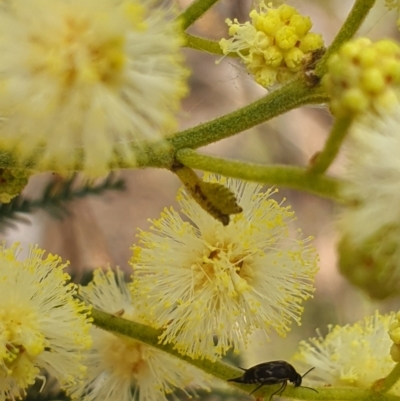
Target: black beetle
column 273, row 372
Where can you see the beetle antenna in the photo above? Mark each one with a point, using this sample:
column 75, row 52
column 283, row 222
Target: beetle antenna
column 310, row 388
column 242, row 368
column 308, row 371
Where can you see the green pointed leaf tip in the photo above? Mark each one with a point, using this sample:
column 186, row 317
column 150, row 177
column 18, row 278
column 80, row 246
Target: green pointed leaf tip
column 214, row 198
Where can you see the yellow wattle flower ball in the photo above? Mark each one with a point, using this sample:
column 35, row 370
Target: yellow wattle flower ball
column 84, row 84
column 275, row 45
column 355, row 355
column 121, row 368
column 42, row 323
column 363, row 77
column 199, row 280
column 369, row 219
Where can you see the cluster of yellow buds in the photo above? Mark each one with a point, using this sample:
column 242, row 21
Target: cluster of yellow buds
column 364, row 76
column 274, row 45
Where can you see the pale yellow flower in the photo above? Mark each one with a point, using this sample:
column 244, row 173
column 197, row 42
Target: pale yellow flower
column 210, row 286
column 369, row 223
column 87, row 80
column 42, row 325
column 123, row 369
column 354, row 355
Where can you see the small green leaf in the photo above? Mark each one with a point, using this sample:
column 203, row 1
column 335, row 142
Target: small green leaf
column 214, row 198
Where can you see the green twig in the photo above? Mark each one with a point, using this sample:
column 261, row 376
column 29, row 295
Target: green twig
column 195, row 11
column 357, row 15
column 391, row 379
column 149, row 336
column 293, row 95
column 332, row 146
column 160, row 154
column 287, row 176
column 205, row 45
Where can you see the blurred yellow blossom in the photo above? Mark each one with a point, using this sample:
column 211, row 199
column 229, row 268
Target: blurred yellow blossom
column 86, row 81
column 42, row 325
column 369, row 220
column 354, row 355
column 123, row 369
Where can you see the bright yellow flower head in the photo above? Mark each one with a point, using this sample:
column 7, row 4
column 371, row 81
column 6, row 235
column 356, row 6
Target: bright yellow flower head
column 42, row 325
column 364, row 77
column 121, row 368
column 354, row 355
column 200, row 280
column 275, row 45
column 85, row 81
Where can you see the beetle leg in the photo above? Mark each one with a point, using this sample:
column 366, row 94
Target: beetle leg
column 280, row 390
column 257, row 388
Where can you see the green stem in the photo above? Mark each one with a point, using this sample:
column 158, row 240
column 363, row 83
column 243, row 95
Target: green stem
column 293, row 95
column 357, row 15
column 332, row 146
column 392, row 378
column 161, row 154
column 149, row 336
column 288, row 176
column 195, row 11
column 205, row 45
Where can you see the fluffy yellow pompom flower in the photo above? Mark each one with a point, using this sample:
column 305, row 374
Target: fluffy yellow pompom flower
column 82, row 82
column 274, row 45
column 364, row 77
column 210, row 286
column 355, row 355
column 42, row 325
column 123, row 369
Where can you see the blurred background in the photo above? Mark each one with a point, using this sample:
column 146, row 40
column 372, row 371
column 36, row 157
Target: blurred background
column 98, row 231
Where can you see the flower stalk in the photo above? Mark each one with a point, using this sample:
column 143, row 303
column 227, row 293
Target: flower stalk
column 356, row 17
column 289, row 176
column 195, row 11
column 223, row 371
column 332, row 146
column 391, row 379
